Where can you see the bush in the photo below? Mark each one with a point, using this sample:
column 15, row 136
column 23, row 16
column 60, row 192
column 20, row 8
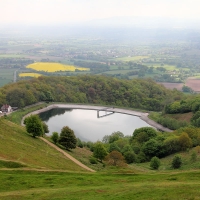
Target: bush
column 176, row 162
column 155, row 163
column 130, row 157
column 93, row 160
column 67, row 138
column 55, row 137
column 193, row 157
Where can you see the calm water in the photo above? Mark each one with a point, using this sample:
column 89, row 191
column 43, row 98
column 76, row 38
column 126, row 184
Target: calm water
column 87, row 126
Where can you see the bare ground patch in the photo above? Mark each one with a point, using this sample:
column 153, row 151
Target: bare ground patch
column 193, row 83
column 172, row 86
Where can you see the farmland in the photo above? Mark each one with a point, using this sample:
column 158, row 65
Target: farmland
column 6, row 76
column 54, row 67
column 36, row 75
column 168, row 60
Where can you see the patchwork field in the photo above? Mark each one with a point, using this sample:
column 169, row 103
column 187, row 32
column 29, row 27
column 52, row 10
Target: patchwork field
column 54, row 67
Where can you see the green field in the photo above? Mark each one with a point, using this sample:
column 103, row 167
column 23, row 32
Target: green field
column 130, row 58
column 25, row 185
column 123, row 71
column 6, row 76
column 11, row 56
column 167, row 67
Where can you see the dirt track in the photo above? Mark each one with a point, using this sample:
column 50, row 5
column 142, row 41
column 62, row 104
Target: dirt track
column 67, row 155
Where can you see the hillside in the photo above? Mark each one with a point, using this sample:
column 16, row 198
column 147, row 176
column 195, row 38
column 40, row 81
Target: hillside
column 137, row 93
column 16, row 145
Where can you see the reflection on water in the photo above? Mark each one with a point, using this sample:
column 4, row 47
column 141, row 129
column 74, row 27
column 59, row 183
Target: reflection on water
column 86, row 124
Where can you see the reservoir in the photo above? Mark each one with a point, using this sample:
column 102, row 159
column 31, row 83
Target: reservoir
column 88, row 126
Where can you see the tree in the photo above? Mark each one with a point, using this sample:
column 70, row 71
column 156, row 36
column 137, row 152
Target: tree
column 143, row 134
column 55, row 137
column 45, row 127
column 186, row 89
column 34, row 125
column 155, row 163
column 176, row 162
column 195, row 120
column 130, row 157
column 113, row 147
column 152, row 148
column 185, row 141
column 115, row 158
column 99, row 151
column 67, row 138
column 115, row 136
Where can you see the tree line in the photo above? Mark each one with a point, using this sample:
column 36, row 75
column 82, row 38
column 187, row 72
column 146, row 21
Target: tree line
column 92, row 89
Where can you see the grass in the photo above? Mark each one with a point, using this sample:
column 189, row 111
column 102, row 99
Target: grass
column 83, row 155
column 17, row 116
column 59, row 185
column 131, row 58
column 10, row 55
column 6, row 76
column 167, row 67
column 17, row 146
column 69, row 181
column 180, row 117
column 123, row 71
column 10, row 164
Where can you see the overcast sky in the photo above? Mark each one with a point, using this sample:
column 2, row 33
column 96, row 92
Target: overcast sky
column 66, row 11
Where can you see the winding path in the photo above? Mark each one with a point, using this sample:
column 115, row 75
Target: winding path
column 67, row 155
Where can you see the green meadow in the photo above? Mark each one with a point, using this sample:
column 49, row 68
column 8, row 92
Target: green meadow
column 131, row 58
column 6, row 76
column 63, row 185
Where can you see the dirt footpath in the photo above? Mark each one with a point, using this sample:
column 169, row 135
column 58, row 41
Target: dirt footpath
column 67, row 155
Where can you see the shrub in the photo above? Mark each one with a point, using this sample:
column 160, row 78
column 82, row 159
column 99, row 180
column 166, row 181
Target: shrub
column 193, row 157
column 155, row 163
column 185, row 141
column 115, row 158
column 55, row 137
column 130, row 157
column 176, row 162
column 93, row 160
column 67, row 138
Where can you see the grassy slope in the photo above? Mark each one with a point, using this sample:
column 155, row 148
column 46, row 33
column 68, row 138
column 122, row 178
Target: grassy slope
column 17, row 145
column 137, row 182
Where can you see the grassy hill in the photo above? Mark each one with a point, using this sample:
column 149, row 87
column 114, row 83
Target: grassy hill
column 16, row 145
column 44, row 173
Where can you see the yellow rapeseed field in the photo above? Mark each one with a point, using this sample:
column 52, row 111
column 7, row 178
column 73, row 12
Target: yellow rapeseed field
column 29, row 75
column 54, row 67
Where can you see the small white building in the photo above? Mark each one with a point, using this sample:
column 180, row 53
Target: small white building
column 6, row 108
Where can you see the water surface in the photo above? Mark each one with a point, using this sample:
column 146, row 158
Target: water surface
column 87, row 126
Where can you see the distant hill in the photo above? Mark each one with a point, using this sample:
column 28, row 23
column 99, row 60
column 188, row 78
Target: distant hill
column 89, row 89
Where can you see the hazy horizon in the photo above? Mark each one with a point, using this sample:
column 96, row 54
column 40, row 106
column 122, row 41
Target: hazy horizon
column 68, row 12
